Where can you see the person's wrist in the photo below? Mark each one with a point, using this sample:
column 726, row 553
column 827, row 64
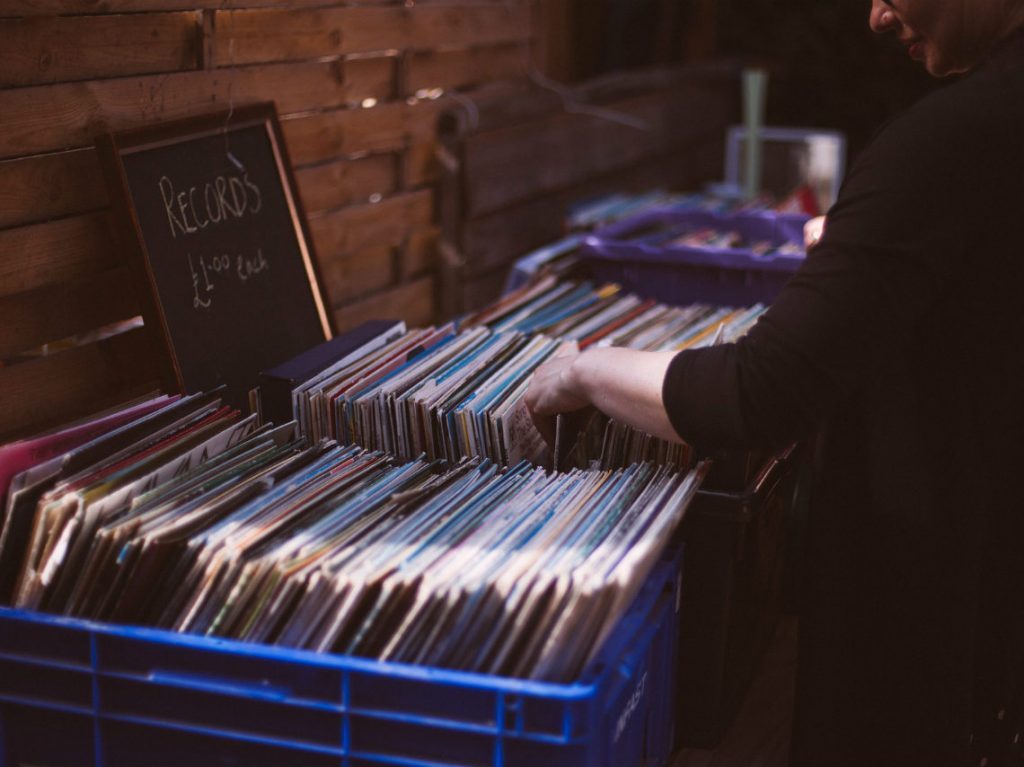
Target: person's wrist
column 574, row 377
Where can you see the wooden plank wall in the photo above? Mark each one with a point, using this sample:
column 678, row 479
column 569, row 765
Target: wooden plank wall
column 636, row 131
column 351, row 83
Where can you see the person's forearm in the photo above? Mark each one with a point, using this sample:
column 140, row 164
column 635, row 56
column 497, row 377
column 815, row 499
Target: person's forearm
column 626, row 385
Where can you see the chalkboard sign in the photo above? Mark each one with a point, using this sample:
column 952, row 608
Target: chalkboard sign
column 227, row 275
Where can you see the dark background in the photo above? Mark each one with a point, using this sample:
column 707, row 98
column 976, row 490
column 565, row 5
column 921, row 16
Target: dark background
column 830, row 69
column 827, row 68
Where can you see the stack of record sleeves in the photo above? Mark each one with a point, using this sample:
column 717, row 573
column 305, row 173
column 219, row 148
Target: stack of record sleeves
column 186, row 515
column 606, row 316
column 403, row 517
column 435, row 392
column 458, row 391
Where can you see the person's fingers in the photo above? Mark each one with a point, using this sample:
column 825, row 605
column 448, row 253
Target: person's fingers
column 548, row 371
column 567, row 350
column 544, row 392
column 813, row 231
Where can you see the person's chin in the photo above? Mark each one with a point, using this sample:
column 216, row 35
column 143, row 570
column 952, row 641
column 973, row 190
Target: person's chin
column 938, row 65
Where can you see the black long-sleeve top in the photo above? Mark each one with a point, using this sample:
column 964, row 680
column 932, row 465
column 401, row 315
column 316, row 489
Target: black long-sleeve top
column 900, row 344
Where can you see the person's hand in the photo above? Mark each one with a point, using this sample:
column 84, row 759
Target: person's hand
column 553, row 390
column 813, row 231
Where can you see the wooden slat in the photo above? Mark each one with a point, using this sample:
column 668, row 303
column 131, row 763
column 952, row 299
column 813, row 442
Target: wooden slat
column 420, row 167
column 49, row 186
column 364, row 227
column 78, row 7
column 60, row 49
column 568, row 148
column 52, row 313
column 465, row 67
column 350, row 276
column 73, row 383
column 47, row 118
column 493, row 241
column 342, row 132
column 412, row 302
column 347, row 277
column 556, row 40
column 255, row 36
column 420, row 252
column 334, row 185
column 508, row 103
column 467, row 23
column 32, row 257
column 66, row 65
column 501, row 105
column 386, row 127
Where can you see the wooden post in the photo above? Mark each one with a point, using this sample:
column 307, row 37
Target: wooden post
column 207, row 34
column 554, row 49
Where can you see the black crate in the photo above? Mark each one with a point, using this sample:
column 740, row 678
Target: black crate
column 732, row 588
column 736, row 580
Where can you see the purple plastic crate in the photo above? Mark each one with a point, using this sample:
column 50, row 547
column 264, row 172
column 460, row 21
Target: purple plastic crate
column 679, row 274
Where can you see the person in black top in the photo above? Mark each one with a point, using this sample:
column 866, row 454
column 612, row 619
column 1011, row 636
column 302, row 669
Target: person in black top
column 899, row 348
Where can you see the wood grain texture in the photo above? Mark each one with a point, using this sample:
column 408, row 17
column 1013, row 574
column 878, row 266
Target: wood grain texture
column 557, row 40
column 419, row 255
column 413, row 302
column 55, row 312
column 509, row 103
column 349, row 276
column 53, row 389
column 463, row 68
column 39, row 50
column 32, row 257
column 494, row 240
column 386, row 127
column 336, row 184
column 48, row 186
column 569, row 148
column 420, row 164
column 260, row 35
column 73, row 69
column 344, row 132
column 364, row 227
column 80, row 7
column 48, row 118
column 500, row 105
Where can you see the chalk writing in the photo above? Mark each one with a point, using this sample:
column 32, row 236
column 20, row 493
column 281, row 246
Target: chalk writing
column 207, row 271
column 220, row 199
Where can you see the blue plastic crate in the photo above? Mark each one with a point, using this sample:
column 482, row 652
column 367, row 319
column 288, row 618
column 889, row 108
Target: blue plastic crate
column 678, row 274
column 84, row 694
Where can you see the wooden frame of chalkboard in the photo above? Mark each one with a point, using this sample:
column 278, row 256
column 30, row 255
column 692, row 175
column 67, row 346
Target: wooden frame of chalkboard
column 209, row 213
